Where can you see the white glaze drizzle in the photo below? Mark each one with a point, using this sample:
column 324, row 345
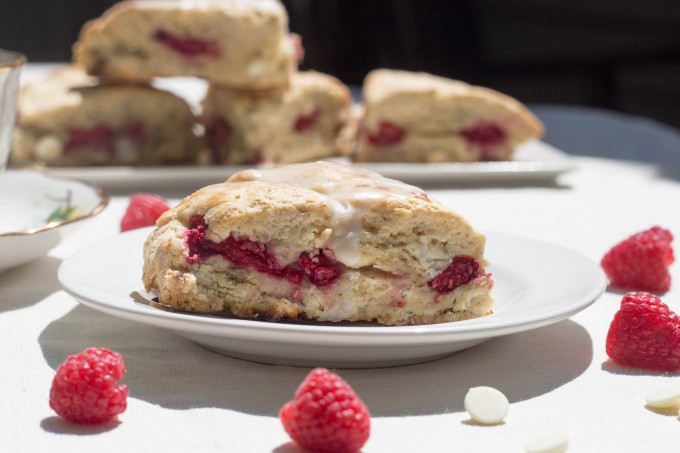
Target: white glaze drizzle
column 349, row 193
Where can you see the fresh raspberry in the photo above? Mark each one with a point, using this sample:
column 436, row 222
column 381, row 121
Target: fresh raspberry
column 645, row 333
column 387, row 134
column 144, row 209
column 326, row 415
column 641, row 262
column 85, row 388
column 461, row 270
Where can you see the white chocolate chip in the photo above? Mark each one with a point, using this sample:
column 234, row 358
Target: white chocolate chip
column 555, row 442
column 486, row 405
column 665, row 396
column 48, row 148
column 126, row 150
column 256, row 69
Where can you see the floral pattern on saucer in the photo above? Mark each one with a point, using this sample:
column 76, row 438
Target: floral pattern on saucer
column 40, row 205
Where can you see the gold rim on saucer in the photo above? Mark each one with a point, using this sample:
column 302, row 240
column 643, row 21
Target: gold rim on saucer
column 10, row 59
column 103, row 202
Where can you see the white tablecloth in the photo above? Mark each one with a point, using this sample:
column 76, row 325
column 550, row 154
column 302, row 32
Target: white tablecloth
column 185, row 398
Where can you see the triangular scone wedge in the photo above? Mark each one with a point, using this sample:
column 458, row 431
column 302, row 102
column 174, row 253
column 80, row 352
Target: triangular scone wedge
column 320, row 241
column 419, row 117
column 308, row 120
column 234, row 43
column 71, row 119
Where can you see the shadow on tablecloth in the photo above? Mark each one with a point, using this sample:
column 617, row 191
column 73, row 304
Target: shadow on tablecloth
column 167, row 370
column 29, row 284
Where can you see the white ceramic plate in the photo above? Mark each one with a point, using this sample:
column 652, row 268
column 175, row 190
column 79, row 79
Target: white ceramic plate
column 37, row 210
column 534, row 161
column 536, row 284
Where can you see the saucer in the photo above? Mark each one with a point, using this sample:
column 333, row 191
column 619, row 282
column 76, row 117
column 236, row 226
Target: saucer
column 37, row 211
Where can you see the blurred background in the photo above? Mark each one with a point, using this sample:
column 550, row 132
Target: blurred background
column 618, row 55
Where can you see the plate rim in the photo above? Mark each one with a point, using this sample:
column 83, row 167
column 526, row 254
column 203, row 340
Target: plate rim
column 340, row 335
column 556, row 162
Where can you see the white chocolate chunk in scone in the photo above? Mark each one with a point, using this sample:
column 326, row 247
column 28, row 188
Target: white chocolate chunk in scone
column 320, row 241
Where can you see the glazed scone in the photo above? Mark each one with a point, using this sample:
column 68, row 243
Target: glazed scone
column 419, row 117
column 306, row 121
column 69, row 120
column 320, row 241
column 236, row 43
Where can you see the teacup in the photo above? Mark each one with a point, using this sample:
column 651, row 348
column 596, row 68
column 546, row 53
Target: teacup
column 10, row 67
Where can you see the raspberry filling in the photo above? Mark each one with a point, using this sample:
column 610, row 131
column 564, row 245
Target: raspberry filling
column 136, row 133
column 188, row 47
column 484, row 135
column 387, row 134
column 101, row 137
column 317, row 265
column 461, row 271
column 306, row 121
column 218, row 132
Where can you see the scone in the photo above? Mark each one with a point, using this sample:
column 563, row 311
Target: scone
column 306, row 121
column 236, row 43
column 69, row 120
column 419, row 117
column 319, row 241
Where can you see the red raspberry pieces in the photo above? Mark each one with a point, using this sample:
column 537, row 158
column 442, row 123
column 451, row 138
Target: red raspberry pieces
column 99, row 138
column 136, row 132
column 306, row 121
column 645, row 333
column 218, row 132
column 102, row 138
column 188, row 46
column 144, row 209
column 241, row 252
column 641, row 262
column 387, row 134
column 318, row 267
column 484, row 134
column 326, row 415
column 85, row 388
column 461, row 270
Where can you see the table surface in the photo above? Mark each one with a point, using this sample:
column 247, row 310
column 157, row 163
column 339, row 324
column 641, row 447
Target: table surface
column 557, row 378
